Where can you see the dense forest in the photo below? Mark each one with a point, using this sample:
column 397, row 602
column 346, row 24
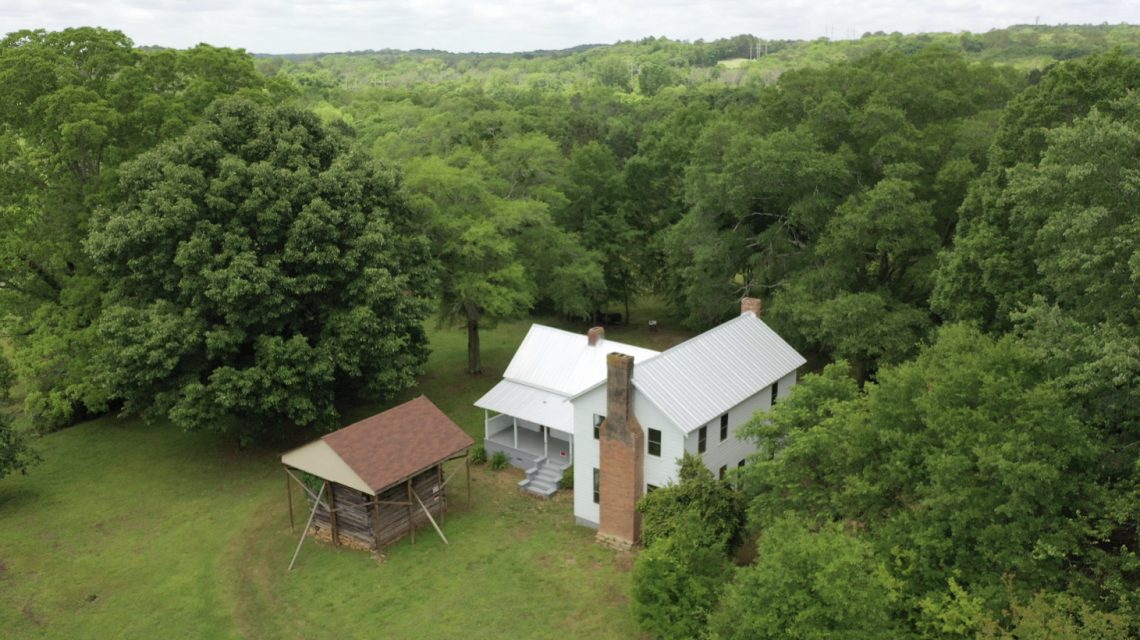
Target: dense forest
column 950, row 222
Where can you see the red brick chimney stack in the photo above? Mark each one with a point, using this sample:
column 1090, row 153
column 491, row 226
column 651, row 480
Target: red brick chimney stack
column 595, row 336
column 750, row 304
column 621, row 465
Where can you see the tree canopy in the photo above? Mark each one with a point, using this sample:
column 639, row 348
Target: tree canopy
column 263, row 271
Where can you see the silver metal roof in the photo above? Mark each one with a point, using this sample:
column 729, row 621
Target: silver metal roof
column 536, row 405
column 703, row 377
column 564, row 362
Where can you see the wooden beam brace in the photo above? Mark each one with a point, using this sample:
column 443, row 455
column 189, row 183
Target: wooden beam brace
column 308, row 524
column 430, row 519
column 302, row 484
column 289, row 493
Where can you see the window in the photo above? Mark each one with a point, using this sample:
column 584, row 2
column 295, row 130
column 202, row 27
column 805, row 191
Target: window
column 655, row 443
column 775, row 392
column 722, row 472
column 723, row 427
column 597, row 484
column 598, row 420
column 702, row 436
column 650, row 488
column 740, row 464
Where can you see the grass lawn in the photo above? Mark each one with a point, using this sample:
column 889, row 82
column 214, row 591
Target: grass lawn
column 130, row 530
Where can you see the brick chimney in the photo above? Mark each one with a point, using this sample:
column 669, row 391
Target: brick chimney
column 621, row 463
column 750, row 304
column 595, row 336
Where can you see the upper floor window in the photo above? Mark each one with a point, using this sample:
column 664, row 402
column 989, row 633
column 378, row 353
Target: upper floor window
column 702, row 437
column 775, row 392
column 655, row 442
column 723, row 472
column 723, row 427
column 598, row 420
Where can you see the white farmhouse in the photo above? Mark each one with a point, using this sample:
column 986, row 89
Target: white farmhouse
column 534, row 425
column 633, row 412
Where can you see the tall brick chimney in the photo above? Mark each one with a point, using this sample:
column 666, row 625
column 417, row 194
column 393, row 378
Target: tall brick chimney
column 595, row 336
column 750, row 304
column 621, row 465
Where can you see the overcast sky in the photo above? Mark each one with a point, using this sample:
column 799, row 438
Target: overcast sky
column 302, row 26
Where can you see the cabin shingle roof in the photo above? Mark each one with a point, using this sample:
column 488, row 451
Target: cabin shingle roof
column 392, row 446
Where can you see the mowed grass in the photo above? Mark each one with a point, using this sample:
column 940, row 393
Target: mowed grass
column 129, row 530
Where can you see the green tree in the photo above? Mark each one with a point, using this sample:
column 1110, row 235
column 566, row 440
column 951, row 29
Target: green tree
column 474, row 235
column 80, row 102
column 991, row 273
column 262, row 271
column 810, row 583
column 16, row 454
column 7, row 379
column 678, row 580
column 964, row 463
column 594, row 214
column 1057, row 616
column 716, row 506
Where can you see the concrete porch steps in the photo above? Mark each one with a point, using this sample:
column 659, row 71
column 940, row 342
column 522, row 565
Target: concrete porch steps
column 542, row 479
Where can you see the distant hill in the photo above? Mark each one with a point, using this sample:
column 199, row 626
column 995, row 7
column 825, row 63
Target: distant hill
column 740, row 59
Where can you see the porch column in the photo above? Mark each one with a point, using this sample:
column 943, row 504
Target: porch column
column 571, row 440
column 515, row 422
column 486, row 424
column 545, row 446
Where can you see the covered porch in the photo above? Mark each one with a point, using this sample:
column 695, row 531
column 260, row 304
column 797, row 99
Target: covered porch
column 525, row 442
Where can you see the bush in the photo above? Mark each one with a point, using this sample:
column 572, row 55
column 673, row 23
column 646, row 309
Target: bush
column 567, row 481
column 16, row 453
column 499, row 461
column 678, row 581
column 809, row 582
column 478, row 454
column 716, row 504
column 7, row 379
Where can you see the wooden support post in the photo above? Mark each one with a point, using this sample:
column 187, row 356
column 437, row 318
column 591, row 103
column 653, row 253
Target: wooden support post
column 411, row 513
column 376, row 522
column 289, row 493
column 332, row 514
column 441, row 500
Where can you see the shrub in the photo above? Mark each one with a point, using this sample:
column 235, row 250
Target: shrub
column 809, row 582
column 677, row 582
column 567, row 481
column 478, row 454
column 716, row 504
column 16, row 453
column 499, row 461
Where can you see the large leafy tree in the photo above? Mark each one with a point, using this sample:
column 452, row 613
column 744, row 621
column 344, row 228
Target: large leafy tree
column 262, row 271
column 810, row 584
column 830, row 193
column 1051, row 254
column 80, row 102
column 965, row 463
column 991, row 271
column 474, row 234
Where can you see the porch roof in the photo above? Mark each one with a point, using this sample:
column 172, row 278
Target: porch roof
column 536, row 405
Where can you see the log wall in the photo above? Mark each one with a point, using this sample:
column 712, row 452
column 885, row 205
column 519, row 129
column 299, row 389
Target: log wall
column 357, row 517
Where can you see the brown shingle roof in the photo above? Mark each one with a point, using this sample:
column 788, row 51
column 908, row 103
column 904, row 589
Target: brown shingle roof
column 394, row 445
